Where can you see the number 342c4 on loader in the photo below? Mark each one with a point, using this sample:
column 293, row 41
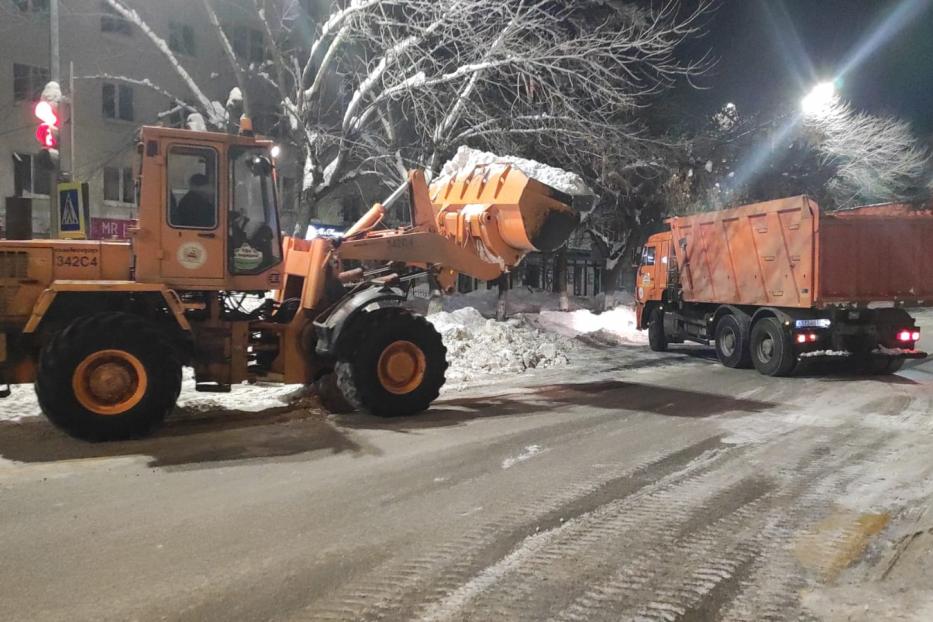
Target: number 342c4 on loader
column 103, row 329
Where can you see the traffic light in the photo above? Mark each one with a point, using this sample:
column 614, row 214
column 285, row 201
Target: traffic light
column 47, row 132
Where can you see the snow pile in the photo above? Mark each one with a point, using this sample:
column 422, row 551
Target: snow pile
column 466, row 159
column 520, row 300
column 242, row 397
column 477, row 346
column 614, row 327
column 22, row 403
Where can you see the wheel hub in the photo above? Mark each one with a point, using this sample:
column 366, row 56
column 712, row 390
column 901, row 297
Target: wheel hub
column 109, row 382
column 401, row 367
column 728, row 342
column 766, row 349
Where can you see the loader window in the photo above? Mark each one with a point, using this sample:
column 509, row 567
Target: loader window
column 647, row 257
column 254, row 225
column 192, row 188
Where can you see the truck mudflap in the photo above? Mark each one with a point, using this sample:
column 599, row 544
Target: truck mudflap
column 900, row 353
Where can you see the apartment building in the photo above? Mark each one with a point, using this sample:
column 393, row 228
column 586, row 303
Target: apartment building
column 107, row 111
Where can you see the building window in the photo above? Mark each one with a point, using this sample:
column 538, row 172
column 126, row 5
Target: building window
column 181, row 38
column 111, row 21
column 248, row 44
column 28, row 82
column 28, row 177
column 36, row 6
column 118, row 184
column 117, row 101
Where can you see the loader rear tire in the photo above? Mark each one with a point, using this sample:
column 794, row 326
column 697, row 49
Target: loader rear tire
column 771, row 348
column 107, row 377
column 732, row 336
column 394, row 364
column 657, row 340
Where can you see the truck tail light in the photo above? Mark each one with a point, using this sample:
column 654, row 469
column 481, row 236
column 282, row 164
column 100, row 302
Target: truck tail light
column 906, row 335
column 915, row 336
column 805, row 337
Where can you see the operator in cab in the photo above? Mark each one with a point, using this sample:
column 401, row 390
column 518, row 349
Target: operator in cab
column 196, row 208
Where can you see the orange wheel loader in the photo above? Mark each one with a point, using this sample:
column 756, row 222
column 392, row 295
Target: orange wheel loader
column 103, row 329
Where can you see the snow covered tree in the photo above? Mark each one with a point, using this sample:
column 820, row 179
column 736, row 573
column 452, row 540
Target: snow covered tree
column 873, row 159
column 374, row 87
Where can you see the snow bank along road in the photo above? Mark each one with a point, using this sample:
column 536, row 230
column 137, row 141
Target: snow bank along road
column 626, row 486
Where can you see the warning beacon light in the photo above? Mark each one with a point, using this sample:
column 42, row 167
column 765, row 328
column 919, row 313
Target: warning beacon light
column 47, row 132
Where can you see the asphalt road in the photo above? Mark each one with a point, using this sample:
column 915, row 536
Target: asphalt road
column 635, row 486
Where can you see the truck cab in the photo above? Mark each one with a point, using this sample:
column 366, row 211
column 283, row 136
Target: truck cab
column 654, row 272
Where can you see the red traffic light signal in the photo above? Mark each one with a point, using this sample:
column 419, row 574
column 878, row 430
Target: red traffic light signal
column 46, row 135
column 47, row 132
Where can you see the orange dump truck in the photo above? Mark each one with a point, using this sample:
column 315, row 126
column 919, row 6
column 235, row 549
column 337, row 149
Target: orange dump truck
column 776, row 283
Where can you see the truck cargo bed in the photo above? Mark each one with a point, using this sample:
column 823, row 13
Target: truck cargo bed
column 784, row 253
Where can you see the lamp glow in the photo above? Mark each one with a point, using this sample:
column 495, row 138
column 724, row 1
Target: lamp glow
column 820, row 99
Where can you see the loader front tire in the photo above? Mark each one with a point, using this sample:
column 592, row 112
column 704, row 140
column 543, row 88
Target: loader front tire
column 330, row 396
column 107, row 377
column 394, row 364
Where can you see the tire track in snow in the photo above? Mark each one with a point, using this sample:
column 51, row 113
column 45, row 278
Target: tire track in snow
column 396, row 589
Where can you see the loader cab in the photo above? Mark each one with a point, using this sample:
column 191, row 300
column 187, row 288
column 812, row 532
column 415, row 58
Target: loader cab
column 208, row 218
column 657, row 257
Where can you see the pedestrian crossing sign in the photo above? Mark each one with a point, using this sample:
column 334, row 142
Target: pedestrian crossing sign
column 73, row 216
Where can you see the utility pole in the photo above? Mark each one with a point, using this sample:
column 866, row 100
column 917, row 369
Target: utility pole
column 72, row 163
column 55, row 74
column 54, row 57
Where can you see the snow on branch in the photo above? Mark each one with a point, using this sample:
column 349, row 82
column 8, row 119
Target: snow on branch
column 213, row 115
column 145, row 83
column 876, row 159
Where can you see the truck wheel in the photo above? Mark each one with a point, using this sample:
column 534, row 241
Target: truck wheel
column 109, row 376
column 657, row 340
column 732, row 342
column 394, row 365
column 771, row 349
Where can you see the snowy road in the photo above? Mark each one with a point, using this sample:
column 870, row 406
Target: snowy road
column 631, row 486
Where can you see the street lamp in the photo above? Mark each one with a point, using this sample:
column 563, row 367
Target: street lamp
column 819, row 100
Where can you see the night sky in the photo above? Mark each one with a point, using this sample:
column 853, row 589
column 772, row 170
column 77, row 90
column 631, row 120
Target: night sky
column 771, row 51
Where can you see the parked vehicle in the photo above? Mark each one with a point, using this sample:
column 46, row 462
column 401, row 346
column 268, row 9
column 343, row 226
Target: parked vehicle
column 775, row 283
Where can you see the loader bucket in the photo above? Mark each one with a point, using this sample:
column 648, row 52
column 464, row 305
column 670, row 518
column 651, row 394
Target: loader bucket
column 510, row 212
column 542, row 220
